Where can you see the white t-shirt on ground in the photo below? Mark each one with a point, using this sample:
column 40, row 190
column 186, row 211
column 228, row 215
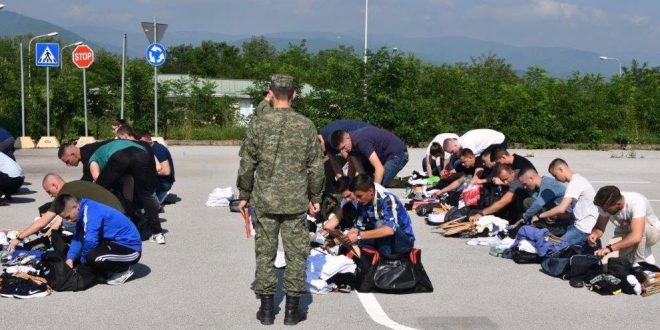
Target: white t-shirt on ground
column 584, row 210
column 478, row 140
column 636, row 206
column 440, row 138
column 10, row 167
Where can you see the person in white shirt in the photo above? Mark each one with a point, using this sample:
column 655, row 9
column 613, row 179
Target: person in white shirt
column 437, row 159
column 476, row 140
column 637, row 227
column 580, row 196
column 11, row 178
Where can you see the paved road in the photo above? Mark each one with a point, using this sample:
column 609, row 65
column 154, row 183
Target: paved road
column 202, row 277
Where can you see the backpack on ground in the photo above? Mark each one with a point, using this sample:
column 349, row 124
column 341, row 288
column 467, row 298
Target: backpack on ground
column 557, row 264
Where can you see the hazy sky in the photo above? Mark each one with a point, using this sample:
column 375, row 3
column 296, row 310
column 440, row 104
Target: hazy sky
column 599, row 25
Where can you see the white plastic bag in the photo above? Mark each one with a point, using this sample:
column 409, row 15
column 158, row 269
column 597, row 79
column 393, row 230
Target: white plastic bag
column 220, row 197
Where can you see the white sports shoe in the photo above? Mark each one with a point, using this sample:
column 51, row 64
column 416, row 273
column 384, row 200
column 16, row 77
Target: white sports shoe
column 157, row 238
column 120, row 278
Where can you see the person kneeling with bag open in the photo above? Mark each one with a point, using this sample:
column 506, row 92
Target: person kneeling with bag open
column 105, row 239
column 382, row 222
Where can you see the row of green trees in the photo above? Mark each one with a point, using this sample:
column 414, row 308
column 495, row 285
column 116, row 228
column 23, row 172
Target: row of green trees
column 395, row 91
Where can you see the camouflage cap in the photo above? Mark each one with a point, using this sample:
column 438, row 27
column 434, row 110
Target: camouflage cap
column 281, row 81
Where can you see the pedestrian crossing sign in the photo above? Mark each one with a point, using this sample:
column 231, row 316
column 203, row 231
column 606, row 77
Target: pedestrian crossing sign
column 47, row 54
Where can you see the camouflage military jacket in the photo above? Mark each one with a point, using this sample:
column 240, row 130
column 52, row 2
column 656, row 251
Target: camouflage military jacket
column 281, row 167
column 263, row 107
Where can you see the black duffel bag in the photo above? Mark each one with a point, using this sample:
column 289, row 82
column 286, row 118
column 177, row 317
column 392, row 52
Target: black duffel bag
column 557, row 264
column 366, row 266
column 402, row 274
column 61, row 277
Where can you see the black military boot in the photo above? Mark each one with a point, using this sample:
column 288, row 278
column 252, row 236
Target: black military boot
column 265, row 313
column 293, row 315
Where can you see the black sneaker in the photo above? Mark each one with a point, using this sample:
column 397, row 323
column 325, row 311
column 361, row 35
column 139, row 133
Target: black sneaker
column 10, row 285
column 30, row 290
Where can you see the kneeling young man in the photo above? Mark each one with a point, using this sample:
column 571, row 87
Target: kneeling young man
column 637, row 228
column 382, row 222
column 105, row 239
column 580, row 196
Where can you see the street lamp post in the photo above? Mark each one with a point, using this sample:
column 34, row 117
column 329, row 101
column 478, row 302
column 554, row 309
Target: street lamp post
column 605, row 58
column 366, row 27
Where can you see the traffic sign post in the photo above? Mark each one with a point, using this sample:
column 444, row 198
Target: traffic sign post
column 47, row 55
column 156, row 54
column 83, row 56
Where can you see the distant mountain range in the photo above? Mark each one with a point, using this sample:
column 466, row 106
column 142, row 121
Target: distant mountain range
column 560, row 62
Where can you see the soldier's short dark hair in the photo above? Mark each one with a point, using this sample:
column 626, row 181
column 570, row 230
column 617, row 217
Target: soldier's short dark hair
column 607, row 196
column 466, row 152
column 336, row 138
column 436, row 149
column 61, row 201
column 362, row 182
column 556, row 163
column 282, row 87
column 498, row 153
column 62, row 150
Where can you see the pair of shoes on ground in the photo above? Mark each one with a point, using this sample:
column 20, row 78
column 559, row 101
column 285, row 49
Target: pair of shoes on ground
column 13, row 287
column 292, row 313
column 157, row 238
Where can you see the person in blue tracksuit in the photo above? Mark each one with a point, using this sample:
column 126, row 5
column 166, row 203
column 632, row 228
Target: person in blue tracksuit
column 105, row 239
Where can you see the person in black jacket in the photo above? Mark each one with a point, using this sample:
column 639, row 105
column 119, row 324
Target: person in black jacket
column 73, row 156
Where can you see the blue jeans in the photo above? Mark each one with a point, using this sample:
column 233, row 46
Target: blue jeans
column 393, row 166
column 399, row 243
column 574, row 236
column 162, row 190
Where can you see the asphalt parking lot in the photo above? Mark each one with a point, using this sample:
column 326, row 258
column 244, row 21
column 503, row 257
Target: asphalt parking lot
column 202, row 277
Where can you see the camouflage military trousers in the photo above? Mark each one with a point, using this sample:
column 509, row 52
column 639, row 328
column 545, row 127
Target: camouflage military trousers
column 295, row 238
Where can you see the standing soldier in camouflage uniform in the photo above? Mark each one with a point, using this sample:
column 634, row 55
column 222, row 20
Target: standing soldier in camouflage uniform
column 264, row 106
column 281, row 172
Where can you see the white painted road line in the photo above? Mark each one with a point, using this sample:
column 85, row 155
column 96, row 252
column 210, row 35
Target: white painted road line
column 629, row 182
column 377, row 313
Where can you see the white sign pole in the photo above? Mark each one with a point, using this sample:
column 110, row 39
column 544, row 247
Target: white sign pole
column 47, row 101
column 155, row 86
column 85, row 98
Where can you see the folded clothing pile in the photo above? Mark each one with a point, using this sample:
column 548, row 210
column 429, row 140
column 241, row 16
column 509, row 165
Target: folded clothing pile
column 322, row 266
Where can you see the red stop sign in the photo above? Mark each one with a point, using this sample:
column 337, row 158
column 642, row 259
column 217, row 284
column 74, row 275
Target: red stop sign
column 83, row 56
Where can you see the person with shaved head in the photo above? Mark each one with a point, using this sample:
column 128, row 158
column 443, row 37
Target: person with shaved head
column 54, row 185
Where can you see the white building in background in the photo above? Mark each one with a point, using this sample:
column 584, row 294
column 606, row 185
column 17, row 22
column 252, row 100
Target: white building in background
column 229, row 87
